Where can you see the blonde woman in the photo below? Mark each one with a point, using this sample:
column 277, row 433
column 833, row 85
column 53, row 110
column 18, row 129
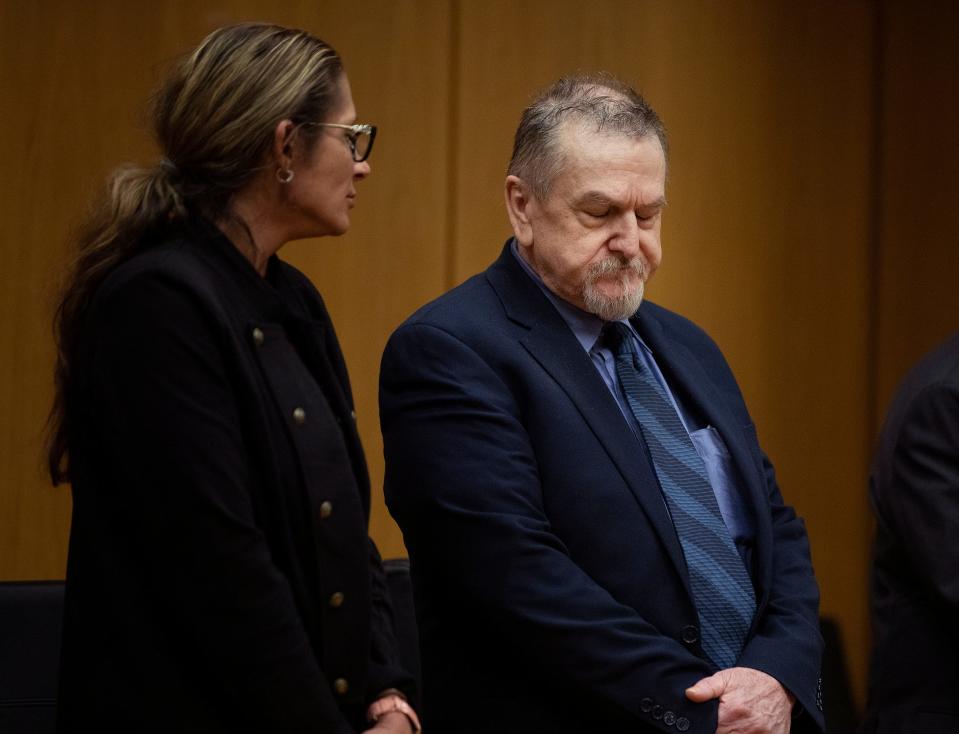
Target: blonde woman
column 220, row 577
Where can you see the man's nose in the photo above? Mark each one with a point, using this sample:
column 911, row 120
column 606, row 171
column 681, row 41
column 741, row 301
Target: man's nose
column 626, row 237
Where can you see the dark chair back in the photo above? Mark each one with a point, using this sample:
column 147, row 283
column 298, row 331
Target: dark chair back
column 838, row 705
column 404, row 615
column 30, row 622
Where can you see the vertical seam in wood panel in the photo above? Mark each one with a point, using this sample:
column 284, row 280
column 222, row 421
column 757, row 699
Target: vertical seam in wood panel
column 875, row 243
column 873, row 286
column 452, row 156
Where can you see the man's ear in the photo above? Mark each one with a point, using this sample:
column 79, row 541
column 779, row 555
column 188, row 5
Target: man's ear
column 282, row 149
column 519, row 206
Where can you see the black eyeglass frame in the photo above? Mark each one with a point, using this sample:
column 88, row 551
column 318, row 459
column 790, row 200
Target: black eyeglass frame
column 354, row 132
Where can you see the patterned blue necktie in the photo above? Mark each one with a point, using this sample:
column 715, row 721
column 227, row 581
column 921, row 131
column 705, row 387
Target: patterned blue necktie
column 722, row 590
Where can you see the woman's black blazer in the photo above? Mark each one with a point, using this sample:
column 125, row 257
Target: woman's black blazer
column 220, row 577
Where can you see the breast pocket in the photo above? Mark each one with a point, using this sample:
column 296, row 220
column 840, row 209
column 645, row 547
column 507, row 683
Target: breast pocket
column 725, row 481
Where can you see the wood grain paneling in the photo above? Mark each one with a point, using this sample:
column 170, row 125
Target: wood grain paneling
column 918, row 300
column 75, row 80
column 785, row 202
column 770, row 113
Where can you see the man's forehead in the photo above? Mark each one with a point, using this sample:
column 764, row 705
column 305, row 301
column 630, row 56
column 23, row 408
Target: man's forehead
column 585, row 135
column 600, row 164
column 588, row 153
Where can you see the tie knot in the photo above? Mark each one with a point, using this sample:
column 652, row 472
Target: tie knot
column 619, row 337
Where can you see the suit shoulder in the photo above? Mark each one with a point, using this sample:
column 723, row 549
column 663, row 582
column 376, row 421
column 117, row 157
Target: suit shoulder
column 172, row 276
column 173, row 261
column 935, row 374
column 940, row 366
column 457, row 308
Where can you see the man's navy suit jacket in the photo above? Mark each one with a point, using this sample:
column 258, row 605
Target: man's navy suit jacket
column 551, row 589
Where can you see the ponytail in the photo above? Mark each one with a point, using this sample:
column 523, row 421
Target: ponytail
column 137, row 203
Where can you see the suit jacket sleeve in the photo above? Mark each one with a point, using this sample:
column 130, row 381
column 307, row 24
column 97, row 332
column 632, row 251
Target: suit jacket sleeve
column 922, row 499
column 462, row 481
column 173, row 421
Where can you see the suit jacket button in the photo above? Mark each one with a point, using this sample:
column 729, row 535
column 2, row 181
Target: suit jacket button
column 258, row 336
column 669, row 718
column 341, row 686
column 682, row 723
column 326, row 509
column 657, row 712
column 353, row 415
column 299, row 415
column 690, row 634
column 645, row 705
column 336, row 599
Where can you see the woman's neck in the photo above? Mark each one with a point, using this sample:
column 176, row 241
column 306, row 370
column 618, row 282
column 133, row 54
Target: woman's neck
column 252, row 229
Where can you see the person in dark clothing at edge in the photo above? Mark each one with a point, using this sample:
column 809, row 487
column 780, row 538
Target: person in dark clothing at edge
column 914, row 493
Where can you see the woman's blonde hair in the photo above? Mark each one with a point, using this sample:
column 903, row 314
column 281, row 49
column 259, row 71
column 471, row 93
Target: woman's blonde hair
column 214, row 120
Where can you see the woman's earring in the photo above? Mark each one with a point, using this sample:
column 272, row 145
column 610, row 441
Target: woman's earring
column 284, row 176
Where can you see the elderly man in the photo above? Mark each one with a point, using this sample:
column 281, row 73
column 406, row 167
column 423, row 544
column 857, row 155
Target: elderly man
column 598, row 543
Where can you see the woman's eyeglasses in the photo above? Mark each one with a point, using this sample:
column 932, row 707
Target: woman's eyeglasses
column 360, row 137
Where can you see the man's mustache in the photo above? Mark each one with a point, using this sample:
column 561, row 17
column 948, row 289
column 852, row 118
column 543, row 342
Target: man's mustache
column 612, row 265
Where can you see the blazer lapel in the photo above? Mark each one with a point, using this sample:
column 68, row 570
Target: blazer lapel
column 553, row 346
column 686, row 375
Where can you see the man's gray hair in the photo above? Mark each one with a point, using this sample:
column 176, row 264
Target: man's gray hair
column 592, row 99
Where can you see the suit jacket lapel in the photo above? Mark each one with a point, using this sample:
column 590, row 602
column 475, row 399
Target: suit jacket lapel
column 554, row 347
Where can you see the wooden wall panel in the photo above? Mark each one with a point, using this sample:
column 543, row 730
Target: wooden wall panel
column 74, row 81
column 784, row 204
column 917, row 300
column 770, row 113
column 68, row 107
